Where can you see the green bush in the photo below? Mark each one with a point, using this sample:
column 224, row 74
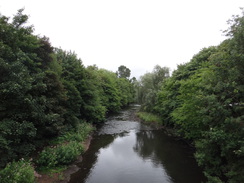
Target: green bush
column 47, row 158
column 66, row 149
column 18, row 172
column 68, row 153
column 79, row 135
column 59, row 155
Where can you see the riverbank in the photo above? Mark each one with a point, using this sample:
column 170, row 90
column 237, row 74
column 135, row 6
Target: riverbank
column 63, row 176
column 156, row 122
column 150, row 119
column 55, row 162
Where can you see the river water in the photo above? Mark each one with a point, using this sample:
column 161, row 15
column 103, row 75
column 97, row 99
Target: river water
column 124, row 150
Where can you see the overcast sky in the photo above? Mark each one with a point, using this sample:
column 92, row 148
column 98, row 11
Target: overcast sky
column 136, row 33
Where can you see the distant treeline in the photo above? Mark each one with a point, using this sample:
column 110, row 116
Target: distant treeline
column 203, row 101
column 45, row 91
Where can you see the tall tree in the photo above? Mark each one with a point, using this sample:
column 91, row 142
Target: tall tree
column 149, row 85
column 123, row 72
column 31, row 90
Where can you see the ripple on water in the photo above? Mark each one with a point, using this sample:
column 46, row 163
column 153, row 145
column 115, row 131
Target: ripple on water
column 116, row 127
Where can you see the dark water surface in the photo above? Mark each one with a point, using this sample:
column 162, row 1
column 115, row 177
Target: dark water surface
column 126, row 151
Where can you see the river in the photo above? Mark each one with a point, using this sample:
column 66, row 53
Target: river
column 124, row 150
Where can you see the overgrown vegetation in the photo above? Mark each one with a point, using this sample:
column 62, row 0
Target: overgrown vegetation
column 21, row 171
column 63, row 154
column 47, row 92
column 64, row 149
column 150, row 118
column 204, row 101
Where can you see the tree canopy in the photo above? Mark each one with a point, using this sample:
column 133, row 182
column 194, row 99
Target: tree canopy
column 149, row 85
column 204, row 101
column 46, row 91
column 123, row 72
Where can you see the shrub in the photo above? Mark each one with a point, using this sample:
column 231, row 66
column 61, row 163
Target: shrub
column 59, row 155
column 47, row 158
column 18, row 172
column 68, row 153
column 68, row 147
column 79, row 135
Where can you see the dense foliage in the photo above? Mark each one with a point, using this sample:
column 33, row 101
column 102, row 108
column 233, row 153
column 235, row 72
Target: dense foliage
column 46, row 92
column 149, row 85
column 204, row 101
column 21, row 171
column 64, row 149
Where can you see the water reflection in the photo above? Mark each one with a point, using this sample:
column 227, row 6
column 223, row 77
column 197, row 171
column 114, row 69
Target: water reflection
column 127, row 151
column 119, row 163
column 90, row 158
column 175, row 156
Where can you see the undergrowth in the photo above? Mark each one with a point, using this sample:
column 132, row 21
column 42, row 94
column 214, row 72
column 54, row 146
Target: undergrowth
column 17, row 172
column 53, row 159
column 65, row 149
column 150, row 118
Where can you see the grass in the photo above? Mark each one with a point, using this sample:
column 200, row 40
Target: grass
column 51, row 171
column 55, row 174
column 150, row 118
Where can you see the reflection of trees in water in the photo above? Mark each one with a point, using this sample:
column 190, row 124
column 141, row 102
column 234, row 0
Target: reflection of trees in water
column 145, row 145
column 174, row 156
column 90, row 157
